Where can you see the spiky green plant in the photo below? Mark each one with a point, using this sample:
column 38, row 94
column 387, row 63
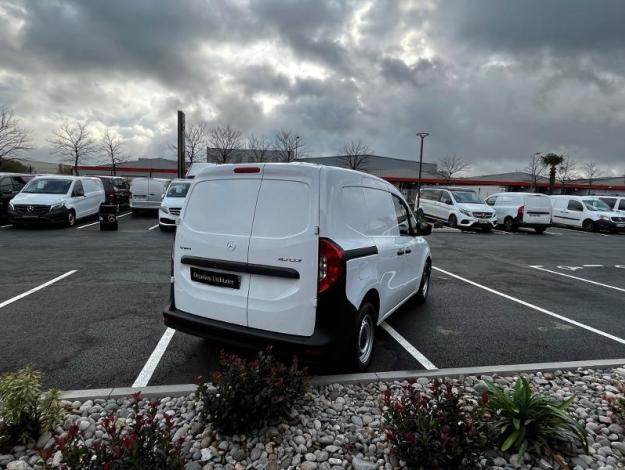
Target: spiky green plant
column 530, row 421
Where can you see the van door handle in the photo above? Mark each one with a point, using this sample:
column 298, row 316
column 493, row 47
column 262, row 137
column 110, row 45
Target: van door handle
column 408, row 250
column 400, row 252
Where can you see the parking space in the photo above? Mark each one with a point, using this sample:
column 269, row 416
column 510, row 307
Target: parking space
column 85, row 306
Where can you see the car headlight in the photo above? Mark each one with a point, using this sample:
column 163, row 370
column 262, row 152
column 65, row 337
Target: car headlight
column 60, row 205
column 465, row 212
column 604, row 217
column 11, row 207
column 165, row 209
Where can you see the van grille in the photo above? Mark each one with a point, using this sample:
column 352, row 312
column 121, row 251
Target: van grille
column 174, row 210
column 618, row 219
column 31, row 209
column 483, row 215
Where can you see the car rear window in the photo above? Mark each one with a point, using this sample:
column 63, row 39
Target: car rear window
column 222, row 206
column 283, row 209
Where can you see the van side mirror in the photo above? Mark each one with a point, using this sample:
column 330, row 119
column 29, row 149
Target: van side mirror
column 422, row 229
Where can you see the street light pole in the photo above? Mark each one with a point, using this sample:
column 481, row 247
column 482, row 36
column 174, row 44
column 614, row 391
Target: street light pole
column 296, row 147
column 423, row 135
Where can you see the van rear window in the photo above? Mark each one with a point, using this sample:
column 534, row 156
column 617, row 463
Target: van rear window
column 222, row 206
column 283, row 209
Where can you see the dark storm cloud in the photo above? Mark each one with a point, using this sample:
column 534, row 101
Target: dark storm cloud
column 492, row 81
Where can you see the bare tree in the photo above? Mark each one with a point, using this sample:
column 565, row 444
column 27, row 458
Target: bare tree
column 259, row 147
column 195, row 139
column 590, row 172
column 289, row 145
column 452, row 166
column 73, row 142
column 225, row 139
column 567, row 171
column 13, row 138
column 355, row 155
column 535, row 169
column 111, row 145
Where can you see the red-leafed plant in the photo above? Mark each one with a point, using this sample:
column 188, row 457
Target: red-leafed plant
column 434, row 429
column 143, row 443
column 248, row 394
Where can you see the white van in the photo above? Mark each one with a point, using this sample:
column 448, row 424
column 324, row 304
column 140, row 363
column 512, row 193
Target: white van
column 516, row 210
column 587, row 212
column 171, row 205
column 196, row 168
column 61, row 199
column 298, row 255
column 616, row 203
column 458, row 207
column 147, row 193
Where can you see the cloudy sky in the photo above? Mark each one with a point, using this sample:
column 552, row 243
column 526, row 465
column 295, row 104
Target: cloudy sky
column 493, row 81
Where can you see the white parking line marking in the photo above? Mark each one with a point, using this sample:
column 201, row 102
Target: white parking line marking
column 35, row 289
column 5, row 226
column 421, row 359
column 540, row 268
column 148, row 369
column 591, row 265
column 153, row 227
column 535, row 307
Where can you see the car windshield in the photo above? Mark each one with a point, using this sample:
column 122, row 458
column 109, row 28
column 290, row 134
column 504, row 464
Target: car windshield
column 47, row 186
column 467, row 197
column 178, row 189
column 596, row 205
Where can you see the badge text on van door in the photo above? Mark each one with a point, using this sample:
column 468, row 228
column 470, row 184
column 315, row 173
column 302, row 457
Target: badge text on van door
column 291, row 260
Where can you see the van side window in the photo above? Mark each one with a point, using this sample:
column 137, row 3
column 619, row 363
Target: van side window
column 401, row 211
column 491, row 200
column 77, row 187
column 381, row 220
column 5, row 185
column 445, row 197
column 355, row 208
column 575, row 206
column 611, row 202
column 621, row 205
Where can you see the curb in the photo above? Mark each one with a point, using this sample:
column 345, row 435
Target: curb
column 174, row 391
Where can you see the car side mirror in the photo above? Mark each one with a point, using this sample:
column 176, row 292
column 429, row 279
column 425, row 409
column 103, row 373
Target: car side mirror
column 422, row 229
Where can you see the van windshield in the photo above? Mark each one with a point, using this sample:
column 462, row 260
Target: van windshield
column 467, row 197
column 596, row 205
column 178, row 189
column 47, row 186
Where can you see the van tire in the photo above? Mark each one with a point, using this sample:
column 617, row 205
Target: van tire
column 588, row 226
column 360, row 348
column 540, row 230
column 453, row 221
column 509, row 225
column 424, row 285
column 71, row 218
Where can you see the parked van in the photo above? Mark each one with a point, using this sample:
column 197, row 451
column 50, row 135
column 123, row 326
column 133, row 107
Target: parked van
column 197, row 167
column 516, row 210
column 615, row 203
column 459, row 208
column 147, row 193
column 586, row 212
column 172, row 204
column 61, row 199
column 298, row 255
column 10, row 185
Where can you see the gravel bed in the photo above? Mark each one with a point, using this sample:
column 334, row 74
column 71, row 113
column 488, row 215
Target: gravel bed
column 340, row 426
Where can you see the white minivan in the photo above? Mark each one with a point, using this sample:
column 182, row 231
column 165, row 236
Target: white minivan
column 458, row 207
column 514, row 210
column 303, row 256
column 616, row 203
column 60, row 199
column 586, row 212
column 171, row 205
column 147, row 193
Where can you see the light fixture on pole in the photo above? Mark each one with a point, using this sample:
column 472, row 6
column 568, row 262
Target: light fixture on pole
column 423, row 135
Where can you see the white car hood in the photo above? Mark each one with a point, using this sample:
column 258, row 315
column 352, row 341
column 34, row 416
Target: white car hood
column 38, row 199
column 611, row 213
column 172, row 202
column 476, row 208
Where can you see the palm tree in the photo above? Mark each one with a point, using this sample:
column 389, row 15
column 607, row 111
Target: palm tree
column 552, row 160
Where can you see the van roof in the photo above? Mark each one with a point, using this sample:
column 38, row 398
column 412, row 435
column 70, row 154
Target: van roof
column 514, row 193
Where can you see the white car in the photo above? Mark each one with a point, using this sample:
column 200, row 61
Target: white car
column 586, row 212
column 147, row 193
column 303, row 256
column 60, row 199
column 516, row 210
column 616, row 203
column 171, row 205
column 459, row 208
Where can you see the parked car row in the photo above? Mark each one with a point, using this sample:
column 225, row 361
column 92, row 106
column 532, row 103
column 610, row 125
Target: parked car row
column 463, row 208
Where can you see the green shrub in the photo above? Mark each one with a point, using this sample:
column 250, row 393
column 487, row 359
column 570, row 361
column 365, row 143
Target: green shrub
column 250, row 394
column 25, row 411
column 434, row 431
column 525, row 420
column 143, row 444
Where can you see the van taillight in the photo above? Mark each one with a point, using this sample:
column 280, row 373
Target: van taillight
column 247, row 169
column 331, row 264
column 520, row 211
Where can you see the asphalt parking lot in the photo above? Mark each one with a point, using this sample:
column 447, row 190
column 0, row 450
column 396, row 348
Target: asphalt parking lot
column 85, row 306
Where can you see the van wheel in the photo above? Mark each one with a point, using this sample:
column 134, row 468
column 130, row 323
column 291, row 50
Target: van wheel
column 361, row 346
column 588, row 226
column 540, row 230
column 453, row 221
column 71, row 219
column 424, row 286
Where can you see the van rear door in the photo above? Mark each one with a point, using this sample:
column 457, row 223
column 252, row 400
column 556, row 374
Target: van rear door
column 283, row 251
column 537, row 209
column 212, row 243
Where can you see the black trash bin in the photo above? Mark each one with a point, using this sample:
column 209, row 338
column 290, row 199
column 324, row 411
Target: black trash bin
column 108, row 216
